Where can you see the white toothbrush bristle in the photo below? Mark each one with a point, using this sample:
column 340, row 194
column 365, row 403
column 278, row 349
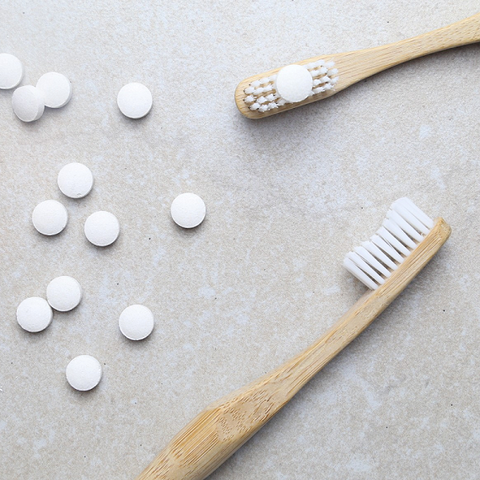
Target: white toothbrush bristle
column 359, row 273
column 404, row 227
column 324, row 79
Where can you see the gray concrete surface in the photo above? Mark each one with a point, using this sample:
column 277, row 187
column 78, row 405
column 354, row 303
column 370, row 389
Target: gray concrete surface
column 262, row 277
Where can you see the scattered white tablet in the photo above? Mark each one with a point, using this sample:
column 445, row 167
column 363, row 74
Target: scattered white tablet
column 28, row 103
column 136, row 322
column 102, row 228
column 188, row 210
column 134, row 100
column 64, row 293
column 84, row 373
column 56, row 88
column 75, row 180
column 49, row 217
column 11, row 71
column 34, row 314
column 294, row 83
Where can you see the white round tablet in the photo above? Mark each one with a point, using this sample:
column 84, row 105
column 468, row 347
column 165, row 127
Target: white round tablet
column 56, row 88
column 102, row 228
column 294, row 83
column 84, row 373
column 64, row 293
column 11, row 71
column 188, row 210
column 136, row 322
column 50, row 217
column 134, row 100
column 75, row 180
column 34, row 314
column 28, row 103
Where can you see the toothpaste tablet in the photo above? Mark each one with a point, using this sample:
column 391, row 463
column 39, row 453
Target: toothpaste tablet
column 294, row 83
column 28, row 103
column 134, row 100
column 56, row 88
column 102, row 228
column 188, row 210
column 75, row 180
column 49, row 217
column 84, row 373
column 136, row 322
column 64, row 293
column 34, row 314
column 11, row 71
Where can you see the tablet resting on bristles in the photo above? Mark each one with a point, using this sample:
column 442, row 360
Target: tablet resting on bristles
column 404, row 245
column 263, row 94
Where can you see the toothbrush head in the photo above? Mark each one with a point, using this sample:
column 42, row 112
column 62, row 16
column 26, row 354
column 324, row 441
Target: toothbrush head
column 403, row 229
column 294, row 84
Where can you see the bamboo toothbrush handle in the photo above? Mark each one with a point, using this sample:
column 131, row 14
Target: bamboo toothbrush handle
column 223, row 427
column 355, row 66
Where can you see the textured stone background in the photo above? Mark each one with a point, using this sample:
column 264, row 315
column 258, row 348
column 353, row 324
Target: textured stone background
column 287, row 197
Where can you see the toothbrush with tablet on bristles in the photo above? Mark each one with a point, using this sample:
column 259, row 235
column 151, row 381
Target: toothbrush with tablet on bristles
column 320, row 77
column 405, row 243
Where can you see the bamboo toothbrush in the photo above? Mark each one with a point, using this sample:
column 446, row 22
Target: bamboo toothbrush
column 387, row 263
column 262, row 95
